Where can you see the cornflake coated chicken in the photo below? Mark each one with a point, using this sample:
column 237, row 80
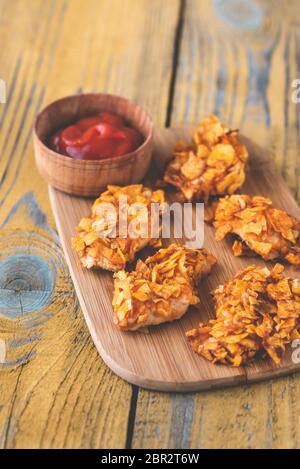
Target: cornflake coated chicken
column 161, row 288
column 268, row 231
column 256, row 312
column 213, row 164
column 96, row 243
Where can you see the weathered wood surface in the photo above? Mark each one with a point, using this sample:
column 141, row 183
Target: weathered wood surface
column 54, row 389
column 238, row 59
column 181, row 60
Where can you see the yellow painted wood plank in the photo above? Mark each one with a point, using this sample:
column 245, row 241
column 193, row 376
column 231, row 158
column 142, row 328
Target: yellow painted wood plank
column 237, row 59
column 55, row 390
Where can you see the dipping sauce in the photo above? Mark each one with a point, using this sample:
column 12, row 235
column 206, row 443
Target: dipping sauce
column 96, row 137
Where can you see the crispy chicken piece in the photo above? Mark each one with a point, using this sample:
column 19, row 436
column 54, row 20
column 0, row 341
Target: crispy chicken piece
column 268, row 231
column 161, row 288
column 213, row 164
column 258, row 312
column 99, row 242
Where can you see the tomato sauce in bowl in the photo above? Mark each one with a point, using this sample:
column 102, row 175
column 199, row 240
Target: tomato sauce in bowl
column 96, row 137
column 84, row 142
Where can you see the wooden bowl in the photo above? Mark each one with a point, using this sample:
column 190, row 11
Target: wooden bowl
column 90, row 177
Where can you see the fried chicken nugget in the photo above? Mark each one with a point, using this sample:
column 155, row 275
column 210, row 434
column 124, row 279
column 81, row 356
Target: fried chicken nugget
column 213, row 164
column 96, row 244
column 258, row 312
column 161, row 288
column 268, row 231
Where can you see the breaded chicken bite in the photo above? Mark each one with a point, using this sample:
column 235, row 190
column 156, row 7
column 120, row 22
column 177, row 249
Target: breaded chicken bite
column 99, row 242
column 260, row 228
column 257, row 313
column 161, row 288
column 213, row 164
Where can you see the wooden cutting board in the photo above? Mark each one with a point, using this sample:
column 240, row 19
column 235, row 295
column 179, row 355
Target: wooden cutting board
column 162, row 359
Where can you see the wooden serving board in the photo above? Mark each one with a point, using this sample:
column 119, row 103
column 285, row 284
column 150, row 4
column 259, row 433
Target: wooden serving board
column 162, row 359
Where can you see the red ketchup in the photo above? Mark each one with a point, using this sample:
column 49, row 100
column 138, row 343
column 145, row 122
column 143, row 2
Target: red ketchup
column 97, row 137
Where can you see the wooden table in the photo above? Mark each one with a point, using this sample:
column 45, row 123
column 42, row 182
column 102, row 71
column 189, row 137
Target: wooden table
column 181, row 60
